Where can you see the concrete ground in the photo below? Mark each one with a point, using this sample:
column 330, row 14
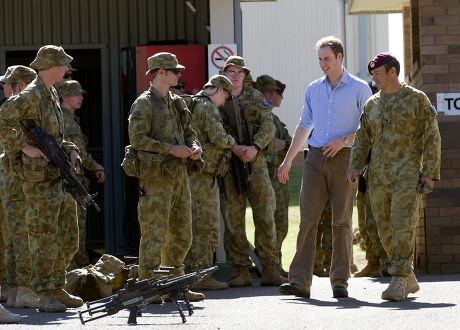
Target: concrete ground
column 435, row 306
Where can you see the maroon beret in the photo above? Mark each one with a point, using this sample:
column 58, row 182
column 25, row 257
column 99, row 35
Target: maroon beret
column 281, row 87
column 379, row 60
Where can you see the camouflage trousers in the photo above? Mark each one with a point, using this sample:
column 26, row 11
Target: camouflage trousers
column 282, row 207
column 375, row 253
column 45, row 203
column 164, row 214
column 17, row 238
column 396, row 208
column 261, row 196
column 205, row 221
column 70, row 228
column 324, row 239
column 2, row 251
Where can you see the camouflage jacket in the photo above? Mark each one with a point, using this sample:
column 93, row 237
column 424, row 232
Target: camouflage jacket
column 207, row 123
column 155, row 124
column 35, row 103
column 402, row 133
column 73, row 133
column 281, row 133
column 256, row 119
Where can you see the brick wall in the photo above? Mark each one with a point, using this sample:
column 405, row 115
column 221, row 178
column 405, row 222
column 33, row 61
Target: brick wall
column 442, row 221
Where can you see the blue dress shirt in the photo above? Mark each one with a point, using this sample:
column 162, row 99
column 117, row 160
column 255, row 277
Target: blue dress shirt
column 333, row 113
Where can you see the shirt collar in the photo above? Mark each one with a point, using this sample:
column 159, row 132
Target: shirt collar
column 345, row 79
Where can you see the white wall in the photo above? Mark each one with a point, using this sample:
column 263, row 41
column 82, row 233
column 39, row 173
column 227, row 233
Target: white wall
column 221, row 21
column 279, row 39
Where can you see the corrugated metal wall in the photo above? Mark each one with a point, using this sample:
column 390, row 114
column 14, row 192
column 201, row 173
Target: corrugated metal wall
column 109, row 26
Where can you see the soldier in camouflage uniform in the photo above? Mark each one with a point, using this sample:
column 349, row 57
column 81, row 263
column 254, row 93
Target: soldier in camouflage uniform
column 217, row 144
column 71, row 95
column 38, row 105
column 249, row 113
column 160, row 130
column 399, row 125
column 273, row 92
column 20, row 295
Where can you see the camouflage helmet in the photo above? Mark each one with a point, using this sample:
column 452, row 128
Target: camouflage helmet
column 50, row 56
column 237, row 61
column 266, row 83
column 219, row 81
column 18, row 73
column 163, row 60
column 70, row 87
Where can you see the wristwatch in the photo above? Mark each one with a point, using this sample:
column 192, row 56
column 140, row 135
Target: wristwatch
column 345, row 139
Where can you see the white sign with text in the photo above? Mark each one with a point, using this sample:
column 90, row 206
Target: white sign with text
column 449, row 103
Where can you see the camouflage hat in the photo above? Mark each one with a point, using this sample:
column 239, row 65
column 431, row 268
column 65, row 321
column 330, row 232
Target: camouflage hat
column 18, row 73
column 50, row 56
column 237, row 61
column 219, row 81
column 70, row 87
column 266, row 83
column 163, row 60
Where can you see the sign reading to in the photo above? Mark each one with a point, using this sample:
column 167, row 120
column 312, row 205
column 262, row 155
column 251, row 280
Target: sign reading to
column 449, row 103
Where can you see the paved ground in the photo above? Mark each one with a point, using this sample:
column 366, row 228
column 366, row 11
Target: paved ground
column 436, row 306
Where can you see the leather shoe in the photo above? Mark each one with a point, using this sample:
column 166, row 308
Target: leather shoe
column 339, row 292
column 294, row 289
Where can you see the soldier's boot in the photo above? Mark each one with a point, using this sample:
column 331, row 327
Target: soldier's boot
column 412, row 284
column 396, row 291
column 8, row 317
column 320, row 272
column 272, row 277
column 368, row 270
column 3, row 292
column 67, row 299
column 210, row 283
column 242, row 278
column 50, row 304
column 26, row 298
column 194, row 296
column 12, row 292
column 282, row 271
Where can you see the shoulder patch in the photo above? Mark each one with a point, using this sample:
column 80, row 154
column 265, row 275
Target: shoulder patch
column 266, row 103
column 433, row 109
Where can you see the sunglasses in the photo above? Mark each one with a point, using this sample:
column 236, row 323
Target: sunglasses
column 235, row 73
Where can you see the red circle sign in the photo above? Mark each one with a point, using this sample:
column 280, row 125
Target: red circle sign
column 220, row 55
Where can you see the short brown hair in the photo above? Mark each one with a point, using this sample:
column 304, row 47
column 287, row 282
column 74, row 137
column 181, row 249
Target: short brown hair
column 333, row 42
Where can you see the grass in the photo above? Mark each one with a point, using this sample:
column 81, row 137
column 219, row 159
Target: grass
column 289, row 245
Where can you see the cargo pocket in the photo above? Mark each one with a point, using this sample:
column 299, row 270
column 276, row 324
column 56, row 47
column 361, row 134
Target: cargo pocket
column 34, row 169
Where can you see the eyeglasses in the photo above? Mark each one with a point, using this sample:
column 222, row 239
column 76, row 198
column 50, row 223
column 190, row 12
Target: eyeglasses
column 175, row 71
column 235, row 73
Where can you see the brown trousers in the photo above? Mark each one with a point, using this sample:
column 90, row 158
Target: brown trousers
column 324, row 178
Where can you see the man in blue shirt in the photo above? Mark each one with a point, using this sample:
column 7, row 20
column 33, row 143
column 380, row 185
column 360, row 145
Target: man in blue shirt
column 331, row 111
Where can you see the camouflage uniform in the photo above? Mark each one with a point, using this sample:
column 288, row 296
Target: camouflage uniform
column 207, row 123
column 164, row 208
column 254, row 111
column 42, row 189
column 404, row 136
column 74, row 134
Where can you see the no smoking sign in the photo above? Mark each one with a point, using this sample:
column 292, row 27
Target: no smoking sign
column 217, row 55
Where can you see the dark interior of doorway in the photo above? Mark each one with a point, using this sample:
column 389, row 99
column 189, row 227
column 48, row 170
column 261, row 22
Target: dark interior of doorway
column 88, row 65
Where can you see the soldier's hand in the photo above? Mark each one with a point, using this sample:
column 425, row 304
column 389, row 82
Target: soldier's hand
column 280, row 145
column 75, row 161
column 33, row 152
column 196, row 153
column 427, row 181
column 180, row 151
column 249, row 154
column 352, row 176
column 283, row 171
column 332, row 148
column 238, row 150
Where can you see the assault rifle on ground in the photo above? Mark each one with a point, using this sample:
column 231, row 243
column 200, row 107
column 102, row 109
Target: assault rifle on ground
column 48, row 145
column 136, row 294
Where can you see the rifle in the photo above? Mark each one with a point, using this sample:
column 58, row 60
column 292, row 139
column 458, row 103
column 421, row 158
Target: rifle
column 239, row 169
column 136, row 294
column 58, row 158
